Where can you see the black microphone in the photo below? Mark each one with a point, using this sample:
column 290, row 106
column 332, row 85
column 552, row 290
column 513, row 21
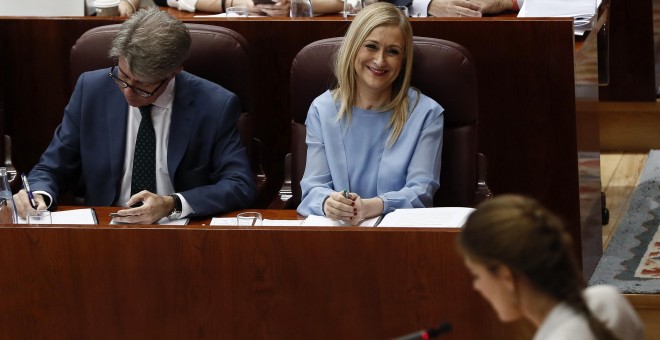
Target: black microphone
column 430, row 333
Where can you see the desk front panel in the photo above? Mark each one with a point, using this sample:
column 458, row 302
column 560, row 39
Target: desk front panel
column 102, row 282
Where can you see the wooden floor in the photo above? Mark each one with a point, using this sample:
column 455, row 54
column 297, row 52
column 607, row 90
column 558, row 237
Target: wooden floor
column 619, row 175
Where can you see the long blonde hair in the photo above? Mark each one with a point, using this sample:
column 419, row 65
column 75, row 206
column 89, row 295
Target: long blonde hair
column 372, row 16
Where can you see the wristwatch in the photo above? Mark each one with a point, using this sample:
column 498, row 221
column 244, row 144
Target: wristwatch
column 176, row 212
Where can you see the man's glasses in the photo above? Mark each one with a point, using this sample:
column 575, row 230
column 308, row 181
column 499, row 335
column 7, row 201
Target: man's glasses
column 138, row 91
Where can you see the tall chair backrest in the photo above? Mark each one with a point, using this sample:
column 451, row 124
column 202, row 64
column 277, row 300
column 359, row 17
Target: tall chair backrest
column 442, row 70
column 216, row 53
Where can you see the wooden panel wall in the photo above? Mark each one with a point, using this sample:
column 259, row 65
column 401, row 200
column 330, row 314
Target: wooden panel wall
column 106, row 283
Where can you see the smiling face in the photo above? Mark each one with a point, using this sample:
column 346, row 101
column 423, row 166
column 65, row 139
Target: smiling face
column 379, row 60
column 497, row 287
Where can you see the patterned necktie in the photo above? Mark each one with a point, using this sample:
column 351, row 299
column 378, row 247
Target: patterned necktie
column 144, row 158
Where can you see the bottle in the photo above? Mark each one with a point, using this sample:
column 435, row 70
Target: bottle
column 7, row 207
column 301, row 8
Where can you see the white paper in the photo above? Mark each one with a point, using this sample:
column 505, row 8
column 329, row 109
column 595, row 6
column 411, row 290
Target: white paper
column 583, row 12
column 229, row 221
column 74, row 216
column 282, row 223
column 322, row 221
column 443, row 217
column 163, row 221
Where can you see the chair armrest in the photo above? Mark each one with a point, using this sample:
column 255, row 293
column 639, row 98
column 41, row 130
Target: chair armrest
column 483, row 193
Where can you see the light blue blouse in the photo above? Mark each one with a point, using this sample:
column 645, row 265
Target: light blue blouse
column 356, row 156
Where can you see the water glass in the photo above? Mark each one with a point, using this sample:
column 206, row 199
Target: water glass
column 301, row 9
column 352, row 7
column 236, row 11
column 37, row 217
column 249, row 219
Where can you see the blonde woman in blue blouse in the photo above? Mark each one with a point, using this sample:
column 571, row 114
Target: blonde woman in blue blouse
column 373, row 143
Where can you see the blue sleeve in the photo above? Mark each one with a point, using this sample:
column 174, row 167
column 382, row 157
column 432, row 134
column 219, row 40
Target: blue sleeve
column 423, row 170
column 317, row 181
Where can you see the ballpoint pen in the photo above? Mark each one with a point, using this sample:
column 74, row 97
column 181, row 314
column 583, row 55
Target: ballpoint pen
column 26, row 186
column 380, row 219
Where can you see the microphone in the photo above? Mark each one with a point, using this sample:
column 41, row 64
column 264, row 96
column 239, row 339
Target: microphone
column 430, row 333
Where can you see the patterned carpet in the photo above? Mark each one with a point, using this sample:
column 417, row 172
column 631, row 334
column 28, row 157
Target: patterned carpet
column 632, row 260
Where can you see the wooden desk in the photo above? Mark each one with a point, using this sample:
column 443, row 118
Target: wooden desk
column 109, row 282
column 528, row 125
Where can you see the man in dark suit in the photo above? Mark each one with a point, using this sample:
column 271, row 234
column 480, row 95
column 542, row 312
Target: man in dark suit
column 146, row 135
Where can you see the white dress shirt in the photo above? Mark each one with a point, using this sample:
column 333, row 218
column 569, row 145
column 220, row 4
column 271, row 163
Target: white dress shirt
column 161, row 113
column 606, row 304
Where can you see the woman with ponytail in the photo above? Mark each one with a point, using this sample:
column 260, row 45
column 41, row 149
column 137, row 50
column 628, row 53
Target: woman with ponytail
column 522, row 263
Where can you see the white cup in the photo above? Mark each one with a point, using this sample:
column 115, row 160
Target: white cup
column 37, row 217
column 237, row 11
column 249, row 219
column 107, row 8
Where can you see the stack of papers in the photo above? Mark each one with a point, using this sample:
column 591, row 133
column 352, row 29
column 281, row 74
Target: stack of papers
column 74, row 216
column 443, row 217
column 583, row 12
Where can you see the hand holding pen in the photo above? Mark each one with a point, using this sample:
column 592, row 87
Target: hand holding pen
column 26, row 186
column 341, row 206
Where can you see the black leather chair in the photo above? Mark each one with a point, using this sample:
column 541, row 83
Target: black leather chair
column 217, row 54
column 444, row 71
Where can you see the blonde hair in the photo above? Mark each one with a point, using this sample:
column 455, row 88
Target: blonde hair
column 372, row 16
column 519, row 233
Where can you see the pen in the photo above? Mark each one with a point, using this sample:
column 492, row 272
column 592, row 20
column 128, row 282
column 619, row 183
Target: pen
column 380, row 219
column 345, row 193
column 26, row 186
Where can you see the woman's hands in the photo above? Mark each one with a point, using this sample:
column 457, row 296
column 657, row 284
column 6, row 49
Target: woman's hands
column 351, row 209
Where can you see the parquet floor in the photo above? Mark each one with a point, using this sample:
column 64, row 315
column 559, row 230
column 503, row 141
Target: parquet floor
column 619, row 175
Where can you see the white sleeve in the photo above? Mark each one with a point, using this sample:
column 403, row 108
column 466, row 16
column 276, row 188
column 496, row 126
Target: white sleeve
column 419, row 8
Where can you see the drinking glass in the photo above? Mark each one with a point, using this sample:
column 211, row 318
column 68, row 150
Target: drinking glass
column 352, row 7
column 237, row 11
column 37, row 217
column 249, row 219
column 301, row 8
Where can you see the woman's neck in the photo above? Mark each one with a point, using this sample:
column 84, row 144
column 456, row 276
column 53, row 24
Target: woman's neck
column 372, row 100
column 536, row 306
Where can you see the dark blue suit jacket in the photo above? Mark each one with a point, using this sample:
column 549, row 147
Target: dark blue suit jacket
column 207, row 163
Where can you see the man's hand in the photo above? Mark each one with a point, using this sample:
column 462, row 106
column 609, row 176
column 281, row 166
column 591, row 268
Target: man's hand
column 493, row 6
column 22, row 202
column 276, row 9
column 454, row 8
column 153, row 208
column 125, row 8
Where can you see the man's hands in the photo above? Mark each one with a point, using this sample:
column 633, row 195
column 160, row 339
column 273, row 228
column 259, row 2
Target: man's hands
column 153, row 208
column 279, row 8
column 465, row 8
column 22, row 202
column 126, row 8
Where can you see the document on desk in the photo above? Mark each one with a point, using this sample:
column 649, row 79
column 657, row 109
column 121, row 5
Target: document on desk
column 441, row 217
column 231, row 222
column 74, row 216
column 162, row 221
column 322, row 221
column 583, row 12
